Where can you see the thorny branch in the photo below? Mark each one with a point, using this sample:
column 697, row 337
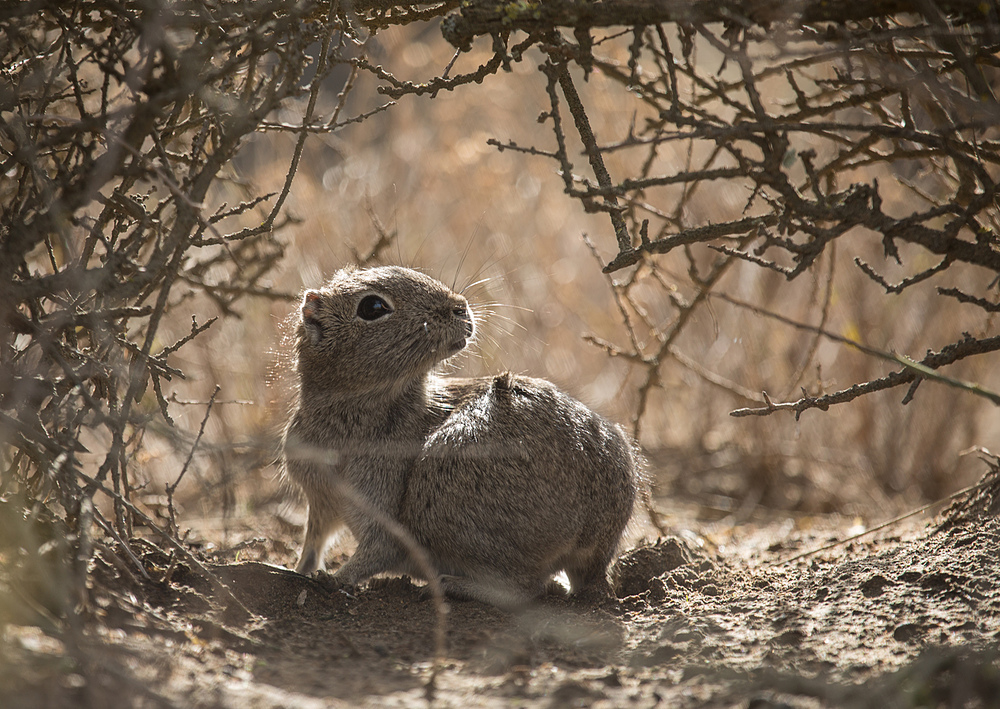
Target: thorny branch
column 478, row 18
column 814, row 112
column 118, row 123
column 912, row 371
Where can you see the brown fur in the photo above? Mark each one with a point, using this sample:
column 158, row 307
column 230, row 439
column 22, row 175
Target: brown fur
column 503, row 480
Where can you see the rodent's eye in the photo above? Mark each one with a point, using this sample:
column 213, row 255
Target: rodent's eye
column 372, row 307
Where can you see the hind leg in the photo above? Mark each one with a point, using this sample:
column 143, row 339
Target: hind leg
column 588, row 577
column 377, row 553
column 504, row 593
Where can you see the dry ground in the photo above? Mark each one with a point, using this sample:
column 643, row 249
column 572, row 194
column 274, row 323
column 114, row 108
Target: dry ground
column 908, row 618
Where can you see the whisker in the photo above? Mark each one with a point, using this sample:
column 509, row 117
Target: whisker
column 477, row 355
column 498, row 304
column 468, row 248
column 492, row 340
column 488, row 262
column 489, row 313
column 420, row 246
column 395, row 224
column 506, row 319
column 496, row 344
column 479, row 282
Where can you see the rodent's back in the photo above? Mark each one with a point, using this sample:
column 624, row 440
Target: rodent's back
column 522, row 481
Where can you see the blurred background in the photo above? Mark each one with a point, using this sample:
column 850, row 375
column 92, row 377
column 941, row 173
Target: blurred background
column 498, row 223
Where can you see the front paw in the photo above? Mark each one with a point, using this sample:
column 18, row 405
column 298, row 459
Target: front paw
column 333, row 584
column 309, row 563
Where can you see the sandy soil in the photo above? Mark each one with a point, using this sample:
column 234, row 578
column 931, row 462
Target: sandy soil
column 909, row 618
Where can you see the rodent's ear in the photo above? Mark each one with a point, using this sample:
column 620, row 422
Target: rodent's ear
column 310, row 303
column 310, row 317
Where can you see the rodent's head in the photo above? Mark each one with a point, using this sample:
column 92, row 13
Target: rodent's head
column 376, row 329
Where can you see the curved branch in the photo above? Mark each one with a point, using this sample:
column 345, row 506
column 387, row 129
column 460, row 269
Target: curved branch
column 481, row 17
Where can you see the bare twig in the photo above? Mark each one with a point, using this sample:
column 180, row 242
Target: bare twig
column 925, row 368
column 173, row 487
column 171, row 541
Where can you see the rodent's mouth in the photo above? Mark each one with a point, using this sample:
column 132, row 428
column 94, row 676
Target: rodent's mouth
column 456, row 346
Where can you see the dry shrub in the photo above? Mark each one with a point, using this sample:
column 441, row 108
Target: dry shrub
column 125, row 236
column 727, row 168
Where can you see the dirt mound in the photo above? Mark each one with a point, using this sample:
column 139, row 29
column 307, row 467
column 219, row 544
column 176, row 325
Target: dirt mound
column 653, row 570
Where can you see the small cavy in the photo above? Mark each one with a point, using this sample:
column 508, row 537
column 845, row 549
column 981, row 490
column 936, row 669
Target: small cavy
column 503, row 481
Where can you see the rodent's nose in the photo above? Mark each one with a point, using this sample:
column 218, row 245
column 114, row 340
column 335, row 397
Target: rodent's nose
column 463, row 313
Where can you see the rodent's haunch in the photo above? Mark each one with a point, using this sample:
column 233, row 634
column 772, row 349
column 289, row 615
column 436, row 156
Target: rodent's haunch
column 504, row 481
